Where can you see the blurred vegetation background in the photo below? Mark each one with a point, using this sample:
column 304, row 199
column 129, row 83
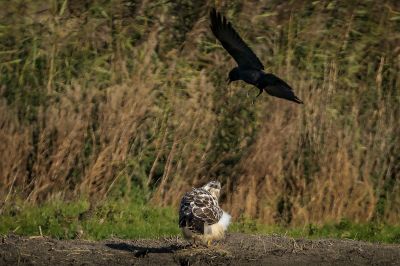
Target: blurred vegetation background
column 126, row 101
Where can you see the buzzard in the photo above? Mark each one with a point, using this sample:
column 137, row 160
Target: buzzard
column 200, row 217
column 249, row 69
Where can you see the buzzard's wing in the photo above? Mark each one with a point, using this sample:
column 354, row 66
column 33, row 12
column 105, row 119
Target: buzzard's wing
column 232, row 42
column 198, row 207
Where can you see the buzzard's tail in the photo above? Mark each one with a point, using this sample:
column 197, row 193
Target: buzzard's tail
column 225, row 220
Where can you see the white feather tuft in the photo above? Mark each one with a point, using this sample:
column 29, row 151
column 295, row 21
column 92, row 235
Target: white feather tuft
column 225, row 220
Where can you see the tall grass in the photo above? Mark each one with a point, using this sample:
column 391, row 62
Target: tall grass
column 104, row 98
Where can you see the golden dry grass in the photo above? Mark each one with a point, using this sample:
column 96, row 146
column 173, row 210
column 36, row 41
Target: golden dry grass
column 113, row 96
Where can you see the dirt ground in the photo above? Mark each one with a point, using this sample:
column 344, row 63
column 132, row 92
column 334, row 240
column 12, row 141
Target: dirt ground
column 236, row 249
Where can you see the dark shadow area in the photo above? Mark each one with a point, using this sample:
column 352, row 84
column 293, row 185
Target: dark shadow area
column 142, row 251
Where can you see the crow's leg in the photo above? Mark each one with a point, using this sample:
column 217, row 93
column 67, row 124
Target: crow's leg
column 261, row 90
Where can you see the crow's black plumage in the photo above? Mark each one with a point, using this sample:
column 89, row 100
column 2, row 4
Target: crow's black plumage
column 249, row 69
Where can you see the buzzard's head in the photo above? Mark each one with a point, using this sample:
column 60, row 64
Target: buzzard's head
column 214, row 187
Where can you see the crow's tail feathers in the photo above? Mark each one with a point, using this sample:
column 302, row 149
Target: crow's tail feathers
column 296, row 100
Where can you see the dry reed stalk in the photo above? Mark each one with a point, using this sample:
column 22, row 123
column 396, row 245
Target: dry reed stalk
column 145, row 110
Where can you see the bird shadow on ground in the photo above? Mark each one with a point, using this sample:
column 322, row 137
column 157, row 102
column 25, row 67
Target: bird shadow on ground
column 142, row 251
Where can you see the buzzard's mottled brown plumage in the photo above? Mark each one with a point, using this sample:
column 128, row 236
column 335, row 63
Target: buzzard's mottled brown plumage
column 199, row 207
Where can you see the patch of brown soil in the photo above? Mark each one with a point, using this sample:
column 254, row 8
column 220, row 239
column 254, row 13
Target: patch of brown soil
column 236, row 249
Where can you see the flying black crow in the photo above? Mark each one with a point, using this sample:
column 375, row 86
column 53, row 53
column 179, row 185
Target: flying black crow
column 250, row 68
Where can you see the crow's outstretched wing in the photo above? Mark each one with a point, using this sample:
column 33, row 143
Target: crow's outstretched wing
column 277, row 87
column 232, row 42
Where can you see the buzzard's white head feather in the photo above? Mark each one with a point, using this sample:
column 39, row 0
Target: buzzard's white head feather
column 214, row 187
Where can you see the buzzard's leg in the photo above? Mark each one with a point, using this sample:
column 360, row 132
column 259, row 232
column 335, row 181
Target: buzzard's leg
column 209, row 242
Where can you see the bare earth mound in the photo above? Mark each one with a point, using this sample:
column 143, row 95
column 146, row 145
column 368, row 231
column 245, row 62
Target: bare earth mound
column 237, row 249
